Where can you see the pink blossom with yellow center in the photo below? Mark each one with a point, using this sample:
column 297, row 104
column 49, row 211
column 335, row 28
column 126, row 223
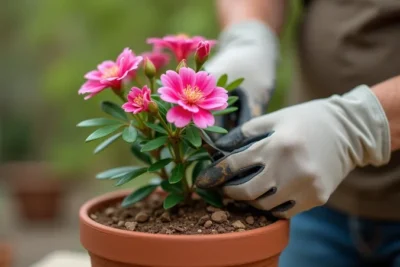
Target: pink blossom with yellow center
column 195, row 95
column 110, row 74
column 138, row 100
column 181, row 45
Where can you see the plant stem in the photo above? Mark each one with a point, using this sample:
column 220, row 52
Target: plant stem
column 120, row 94
column 166, row 126
column 152, row 85
column 157, row 155
column 176, row 146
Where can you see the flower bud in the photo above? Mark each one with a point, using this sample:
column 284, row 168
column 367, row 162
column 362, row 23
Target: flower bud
column 182, row 64
column 153, row 108
column 202, row 52
column 149, row 68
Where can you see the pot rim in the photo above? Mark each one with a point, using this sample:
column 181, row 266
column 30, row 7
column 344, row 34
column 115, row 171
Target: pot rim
column 107, row 197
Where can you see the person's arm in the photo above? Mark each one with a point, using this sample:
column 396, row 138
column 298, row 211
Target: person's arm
column 293, row 159
column 271, row 12
column 248, row 47
column 388, row 93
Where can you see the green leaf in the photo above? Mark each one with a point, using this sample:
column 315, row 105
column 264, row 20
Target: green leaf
column 216, row 129
column 222, row 80
column 159, row 165
column 115, row 171
column 138, row 195
column 177, row 174
column 97, row 122
column 154, row 144
column 130, row 134
column 135, row 149
column 101, row 132
column 156, row 127
column 200, row 154
column 114, row 110
column 235, row 84
column 172, row 188
column 201, row 165
column 172, row 200
column 225, row 111
column 193, row 136
column 211, row 197
column 232, row 100
column 106, row 143
column 130, row 176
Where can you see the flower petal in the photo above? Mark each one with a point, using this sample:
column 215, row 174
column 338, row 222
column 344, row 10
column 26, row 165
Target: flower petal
column 93, row 75
column 212, row 103
column 188, row 77
column 203, row 118
column 168, row 94
column 205, row 82
column 224, row 106
column 173, row 80
column 91, row 87
column 218, row 92
column 105, row 65
column 133, row 93
column 179, row 116
column 128, row 107
column 191, row 108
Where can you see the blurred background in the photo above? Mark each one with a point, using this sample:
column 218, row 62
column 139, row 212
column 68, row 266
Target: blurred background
column 46, row 169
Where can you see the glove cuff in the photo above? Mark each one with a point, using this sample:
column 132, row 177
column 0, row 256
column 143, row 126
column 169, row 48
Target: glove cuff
column 250, row 32
column 367, row 125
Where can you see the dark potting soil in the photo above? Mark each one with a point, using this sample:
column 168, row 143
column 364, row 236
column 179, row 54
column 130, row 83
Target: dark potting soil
column 149, row 216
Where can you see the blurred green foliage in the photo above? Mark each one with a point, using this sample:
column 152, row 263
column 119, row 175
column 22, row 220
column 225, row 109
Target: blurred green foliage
column 48, row 47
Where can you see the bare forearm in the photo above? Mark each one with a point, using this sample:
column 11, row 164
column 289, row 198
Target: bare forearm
column 388, row 93
column 271, row 12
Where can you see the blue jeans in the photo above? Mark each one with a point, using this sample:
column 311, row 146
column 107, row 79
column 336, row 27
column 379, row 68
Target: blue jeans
column 323, row 237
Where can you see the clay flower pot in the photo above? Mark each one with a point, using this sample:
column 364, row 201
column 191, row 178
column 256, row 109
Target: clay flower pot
column 37, row 192
column 109, row 247
column 5, row 255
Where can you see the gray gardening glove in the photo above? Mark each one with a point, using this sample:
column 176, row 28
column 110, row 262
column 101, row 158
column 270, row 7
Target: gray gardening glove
column 292, row 160
column 247, row 50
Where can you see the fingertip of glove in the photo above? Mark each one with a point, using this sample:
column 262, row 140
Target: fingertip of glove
column 213, row 176
column 232, row 140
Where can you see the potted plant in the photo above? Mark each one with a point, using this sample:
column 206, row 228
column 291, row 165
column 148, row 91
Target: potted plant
column 169, row 222
column 36, row 190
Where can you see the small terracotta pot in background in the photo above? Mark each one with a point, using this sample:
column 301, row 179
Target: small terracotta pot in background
column 110, row 247
column 37, row 192
column 5, row 255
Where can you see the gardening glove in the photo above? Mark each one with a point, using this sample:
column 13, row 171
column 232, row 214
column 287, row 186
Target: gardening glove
column 292, row 160
column 247, row 50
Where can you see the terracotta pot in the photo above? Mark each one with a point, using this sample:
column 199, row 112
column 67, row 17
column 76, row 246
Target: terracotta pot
column 5, row 255
column 109, row 247
column 36, row 190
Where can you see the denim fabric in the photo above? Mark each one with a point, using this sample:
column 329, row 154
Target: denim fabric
column 325, row 237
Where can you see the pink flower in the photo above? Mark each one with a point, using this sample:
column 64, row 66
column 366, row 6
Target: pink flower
column 158, row 58
column 196, row 94
column 181, row 45
column 111, row 74
column 202, row 51
column 138, row 100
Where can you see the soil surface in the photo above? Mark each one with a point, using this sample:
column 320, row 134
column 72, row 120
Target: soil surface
column 199, row 218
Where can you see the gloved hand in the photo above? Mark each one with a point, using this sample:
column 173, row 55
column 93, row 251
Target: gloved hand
column 247, row 50
column 312, row 148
